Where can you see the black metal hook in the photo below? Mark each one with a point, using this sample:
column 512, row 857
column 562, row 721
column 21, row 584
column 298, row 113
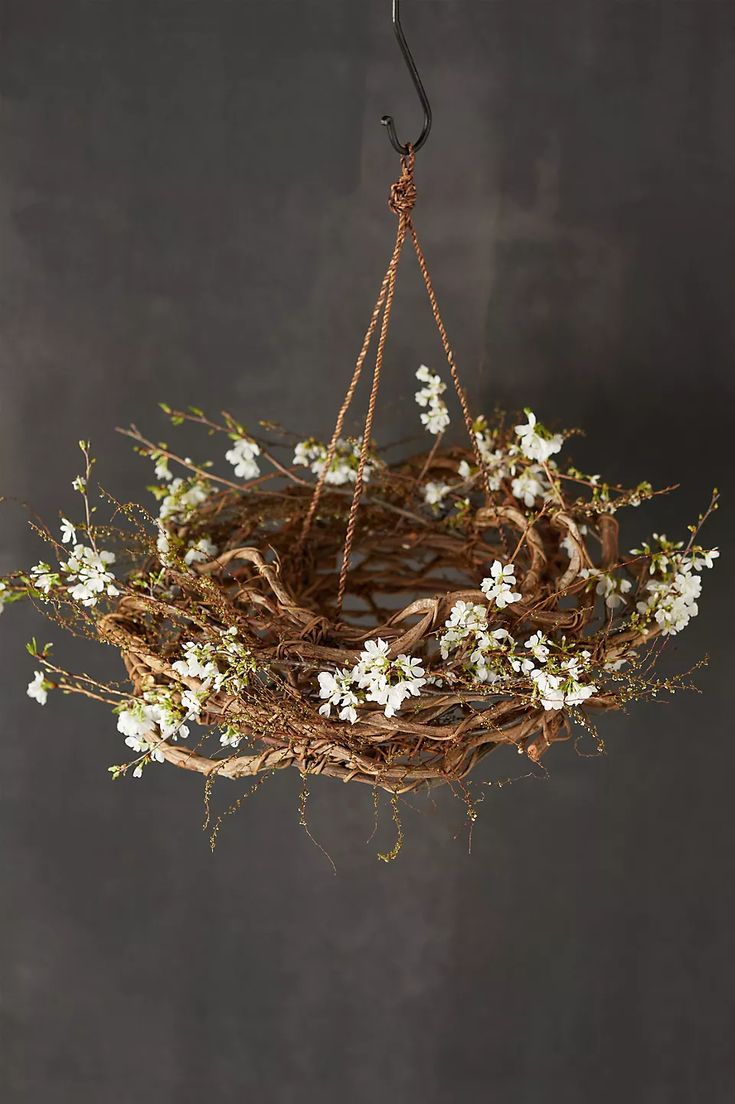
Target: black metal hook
column 387, row 120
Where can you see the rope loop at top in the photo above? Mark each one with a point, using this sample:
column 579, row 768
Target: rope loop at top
column 403, row 193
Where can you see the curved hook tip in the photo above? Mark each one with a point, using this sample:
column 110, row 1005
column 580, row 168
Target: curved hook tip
column 387, row 120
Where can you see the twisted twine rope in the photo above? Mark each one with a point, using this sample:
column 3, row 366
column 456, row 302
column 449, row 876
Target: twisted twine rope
column 401, row 201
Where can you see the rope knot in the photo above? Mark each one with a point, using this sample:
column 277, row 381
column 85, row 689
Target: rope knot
column 403, row 192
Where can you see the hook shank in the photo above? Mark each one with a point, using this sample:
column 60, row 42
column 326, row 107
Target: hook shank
column 387, row 120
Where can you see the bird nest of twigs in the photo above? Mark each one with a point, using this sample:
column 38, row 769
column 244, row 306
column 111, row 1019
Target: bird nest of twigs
column 375, row 620
column 414, row 585
column 469, row 618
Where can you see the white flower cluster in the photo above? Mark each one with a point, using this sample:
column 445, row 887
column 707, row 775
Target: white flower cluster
column 498, row 588
column 608, row 586
column 242, row 457
column 529, row 482
column 495, row 657
column 223, row 666
column 559, row 685
column 87, row 571
column 500, row 463
column 670, row 596
column 375, row 678
column 436, row 416
column 470, row 619
column 343, row 469
column 148, row 721
column 3, row 597
column 466, row 619
column 199, row 551
column 536, row 442
column 497, row 464
column 163, row 713
column 182, row 498
column 178, row 502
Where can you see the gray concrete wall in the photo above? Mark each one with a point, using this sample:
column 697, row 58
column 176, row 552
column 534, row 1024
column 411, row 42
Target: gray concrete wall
column 192, row 208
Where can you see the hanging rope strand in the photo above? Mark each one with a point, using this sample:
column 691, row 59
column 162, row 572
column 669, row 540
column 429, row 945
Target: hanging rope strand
column 402, row 197
column 401, row 201
column 368, row 428
column 331, row 451
column 448, row 353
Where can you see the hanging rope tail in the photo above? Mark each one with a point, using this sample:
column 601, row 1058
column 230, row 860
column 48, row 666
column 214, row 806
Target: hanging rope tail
column 401, row 201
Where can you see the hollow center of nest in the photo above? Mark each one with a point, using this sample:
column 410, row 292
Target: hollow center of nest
column 388, row 571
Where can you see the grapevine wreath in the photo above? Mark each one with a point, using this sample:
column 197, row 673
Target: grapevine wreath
column 376, row 620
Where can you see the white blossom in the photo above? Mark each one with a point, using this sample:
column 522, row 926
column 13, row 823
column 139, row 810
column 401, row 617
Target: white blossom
column 538, row 646
column 499, row 464
column 435, row 493
column 436, row 416
column 672, row 601
column 568, row 544
column 704, row 558
column 498, row 588
column 529, row 485
column 230, row 737
column 373, row 664
column 163, row 546
column 162, row 470
column 521, row 665
column 68, row 532
column 44, row 578
column 536, row 442
column 242, row 457
column 390, row 686
column 492, row 658
column 486, row 660
column 201, row 551
column 192, row 703
column 38, row 688
column 577, row 694
column 608, row 586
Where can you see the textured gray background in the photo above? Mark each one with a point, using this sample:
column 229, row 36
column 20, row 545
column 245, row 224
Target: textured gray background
column 192, row 207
